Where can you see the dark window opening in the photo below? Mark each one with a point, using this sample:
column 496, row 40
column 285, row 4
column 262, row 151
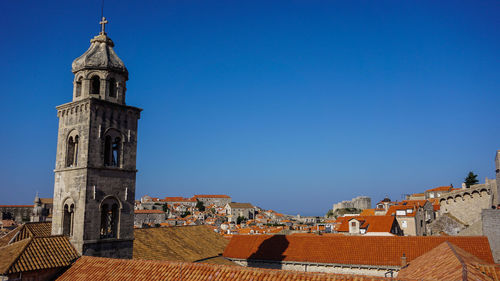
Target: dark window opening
column 68, row 219
column 78, row 87
column 112, row 151
column 109, row 221
column 72, row 152
column 112, row 88
column 95, row 85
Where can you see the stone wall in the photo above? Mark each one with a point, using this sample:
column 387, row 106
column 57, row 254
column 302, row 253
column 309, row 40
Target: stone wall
column 491, row 229
column 466, row 204
column 360, row 202
column 321, row 267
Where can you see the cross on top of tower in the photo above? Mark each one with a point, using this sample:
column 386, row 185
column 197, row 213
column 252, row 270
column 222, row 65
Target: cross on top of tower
column 103, row 23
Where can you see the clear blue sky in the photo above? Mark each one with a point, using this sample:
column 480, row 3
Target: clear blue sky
column 289, row 105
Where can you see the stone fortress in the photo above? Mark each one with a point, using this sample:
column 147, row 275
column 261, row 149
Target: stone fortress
column 360, row 202
column 94, row 189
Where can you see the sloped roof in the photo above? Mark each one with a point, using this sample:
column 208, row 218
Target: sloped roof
column 27, row 230
column 47, row 200
column 370, row 223
column 93, row 268
column 4, row 240
column 241, row 205
column 179, row 243
column 367, row 212
column 34, row 229
column 440, row 188
column 352, row 250
column 449, row 262
column 36, row 253
column 392, row 210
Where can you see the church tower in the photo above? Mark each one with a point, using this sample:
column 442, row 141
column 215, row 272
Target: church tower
column 95, row 171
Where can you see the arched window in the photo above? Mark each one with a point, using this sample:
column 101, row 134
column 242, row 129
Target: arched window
column 68, row 217
column 72, row 151
column 78, row 87
column 112, row 151
column 112, row 87
column 110, row 212
column 95, row 85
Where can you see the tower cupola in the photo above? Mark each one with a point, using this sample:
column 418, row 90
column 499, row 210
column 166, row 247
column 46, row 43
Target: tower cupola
column 99, row 72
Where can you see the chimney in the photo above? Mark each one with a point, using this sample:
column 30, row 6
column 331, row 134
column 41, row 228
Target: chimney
column 403, row 261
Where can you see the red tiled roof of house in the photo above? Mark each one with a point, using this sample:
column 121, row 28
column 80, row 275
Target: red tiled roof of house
column 94, row 268
column 36, row 253
column 370, row 223
column 418, row 203
column 211, row 196
column 352, row 250
column 392, row 210
column 449, row 262
column 367, row 212
column 16, row 206
column 440, row 188
column 149, row 212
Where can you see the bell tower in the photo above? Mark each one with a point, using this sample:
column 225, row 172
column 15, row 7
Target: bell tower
column 95, row 171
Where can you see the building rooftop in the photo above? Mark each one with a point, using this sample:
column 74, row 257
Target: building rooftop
column 179, row 243
column 36, row 253
column 93, row 268
column 351, row 250
column 449, row 262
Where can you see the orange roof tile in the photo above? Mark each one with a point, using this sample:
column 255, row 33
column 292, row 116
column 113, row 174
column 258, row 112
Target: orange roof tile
column 440, row 188
column 448, row 262
column 355, row 250
column 367, row 212
column 16, row 206
column 37, row 253
column 94, row 268
column 370, row 223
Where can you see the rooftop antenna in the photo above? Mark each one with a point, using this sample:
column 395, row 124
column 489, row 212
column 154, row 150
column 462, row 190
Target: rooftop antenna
column 103, row 21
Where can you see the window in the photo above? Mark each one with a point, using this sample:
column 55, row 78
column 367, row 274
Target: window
column 112, row 87
column 109, row 218
column 68, row 216
column 95, row 85
column 78, row 89
column 404, row 224
column 72, row 151
column 112, row 151
column 353, row 224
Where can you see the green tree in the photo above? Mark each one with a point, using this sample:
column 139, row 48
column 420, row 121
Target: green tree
column 470, row 179
column 240, row 219
column 200, row 206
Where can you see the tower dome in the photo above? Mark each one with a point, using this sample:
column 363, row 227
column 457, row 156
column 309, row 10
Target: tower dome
column 100, row 55
column 99, row 72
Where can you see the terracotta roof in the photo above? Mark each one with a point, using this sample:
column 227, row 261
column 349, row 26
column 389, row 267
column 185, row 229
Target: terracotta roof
column 179, row 243
column 370, row 223
column 241, row 205
column 4, row 240
column 353, row 250
column 16, row 206
column 392, row 210
column 149, row 212
column 93, row 268
column 211, row 196
column 449, row 262
column 33, row 229
column 367, row 212
column 36, row 253
column 440, row 188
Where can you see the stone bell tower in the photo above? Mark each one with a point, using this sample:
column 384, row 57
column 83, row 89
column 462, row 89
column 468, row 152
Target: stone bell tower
column 94, row 188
